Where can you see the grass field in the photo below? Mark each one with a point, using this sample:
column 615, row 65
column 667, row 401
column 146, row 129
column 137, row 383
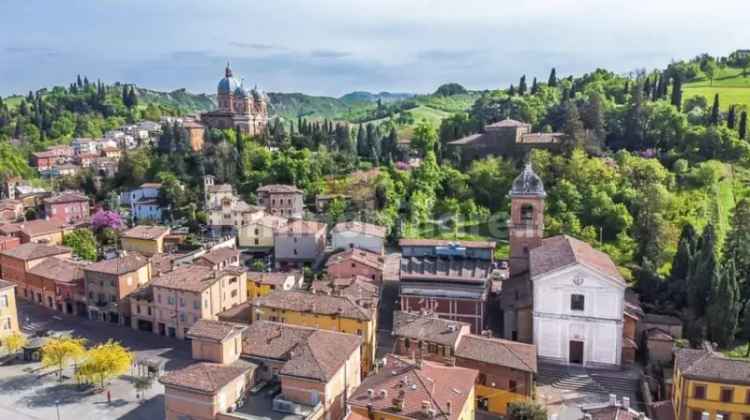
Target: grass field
column 733, row 88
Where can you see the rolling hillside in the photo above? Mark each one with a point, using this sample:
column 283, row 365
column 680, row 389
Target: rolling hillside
column 732, row 87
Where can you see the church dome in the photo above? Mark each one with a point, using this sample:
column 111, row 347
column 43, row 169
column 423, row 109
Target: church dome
column 228, row 84
column 240, row 92
column 528, row 183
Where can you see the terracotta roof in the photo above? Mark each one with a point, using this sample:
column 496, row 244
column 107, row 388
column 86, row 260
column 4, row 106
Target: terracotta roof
column 540, row 138
column 300, row 301
column 360, row 227
column 611, row 412
column 146, row 232
column 279, row 188
column 161, row 263
column 563, row 251
column 191, row 278
column 359, row 288
column 301, row 227
column 444, row 242
column 272, row 221
column 428, row 328
column 130, row 262
column 275, row 278
column 433, row 383
column 361, row 256
column 39, row 227
column 33, row 251
column 214, row 330
column 507, row 123
column 712, row 366
column 241, row 313
column 206, row 377
column 308, row 352
column 221, row 255
column 495, row 351
column 662, row 410
column 155, row 185
column 58, row 269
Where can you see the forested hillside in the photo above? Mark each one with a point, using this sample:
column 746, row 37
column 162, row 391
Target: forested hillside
column 654, row 168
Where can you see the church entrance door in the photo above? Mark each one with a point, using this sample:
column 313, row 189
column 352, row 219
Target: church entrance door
column 575, row 355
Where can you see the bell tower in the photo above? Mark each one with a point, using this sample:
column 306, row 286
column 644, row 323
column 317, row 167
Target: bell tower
column 526, row 224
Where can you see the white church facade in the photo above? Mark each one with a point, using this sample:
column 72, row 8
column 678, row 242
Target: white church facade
column 563, row 295
column 578, row 309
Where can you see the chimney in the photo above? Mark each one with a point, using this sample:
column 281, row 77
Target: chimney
column 612, row 399
column 704, row 415
column 626, row 402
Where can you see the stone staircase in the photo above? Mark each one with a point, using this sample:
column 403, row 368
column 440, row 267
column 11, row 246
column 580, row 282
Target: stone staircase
column 600, row 382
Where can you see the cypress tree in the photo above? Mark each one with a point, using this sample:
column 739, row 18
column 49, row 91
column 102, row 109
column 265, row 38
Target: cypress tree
column 677, row 92
column 737, row 247
column 731, row 117
column 724, row 307
column 522, row 85
column 552, row 81
column 512, row 90
column 78, row 81
column 715, row 111
column 362, row 147
column 743, row 125
column 701, row 271
column 133, row 97
column 125, row 96
column 678, row 277
column 534, row 87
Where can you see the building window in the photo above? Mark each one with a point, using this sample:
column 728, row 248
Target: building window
column 6, row 324
column 725, row 416
column 234, row 293
column 699, row 392
column 696, row 415
column 512, row 385
column 170, row 300
column 576, row 302
column 196, row 305
column 727, row 395
column 3, row 301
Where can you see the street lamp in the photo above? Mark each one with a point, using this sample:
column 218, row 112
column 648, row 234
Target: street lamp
column 57, row 408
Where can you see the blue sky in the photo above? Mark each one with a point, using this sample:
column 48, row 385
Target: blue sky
column 330, row 47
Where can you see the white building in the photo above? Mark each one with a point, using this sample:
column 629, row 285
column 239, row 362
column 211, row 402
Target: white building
column 146, row 190
column 83, row 146
column 358, row 235
column 579, row 299
column 147, row 209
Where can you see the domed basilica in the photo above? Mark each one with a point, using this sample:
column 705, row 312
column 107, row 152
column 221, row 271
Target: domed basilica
column 238, row 107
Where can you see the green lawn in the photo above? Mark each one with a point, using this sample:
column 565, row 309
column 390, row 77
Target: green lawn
column 729, row 83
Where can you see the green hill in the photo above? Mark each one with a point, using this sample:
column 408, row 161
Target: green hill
column 732, row 86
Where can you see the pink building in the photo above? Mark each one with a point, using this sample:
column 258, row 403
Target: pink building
column 356, row 262
column 67, row 207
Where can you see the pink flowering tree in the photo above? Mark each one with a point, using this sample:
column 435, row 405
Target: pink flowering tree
column 105, row 219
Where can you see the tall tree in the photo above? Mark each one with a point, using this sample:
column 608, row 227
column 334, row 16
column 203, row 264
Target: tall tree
column 552, row 81
column 573, row 127
column 715, row 111
column 522, row 85
column 724, row 305
column 731, row 117
column 677, row 92
column 678, row 277
column 702, row 271
column 534, row 87
column 742, row 128
column 363, row 149
column 737, row 247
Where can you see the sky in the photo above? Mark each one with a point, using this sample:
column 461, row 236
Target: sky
column 331, row 47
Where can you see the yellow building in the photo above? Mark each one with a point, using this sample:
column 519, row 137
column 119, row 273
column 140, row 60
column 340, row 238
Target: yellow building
column 408, row 389
column 147, row 240
column 322, row 311
column 8, row 310
column 258, row 233
column 707, row 381
column 261, row 284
